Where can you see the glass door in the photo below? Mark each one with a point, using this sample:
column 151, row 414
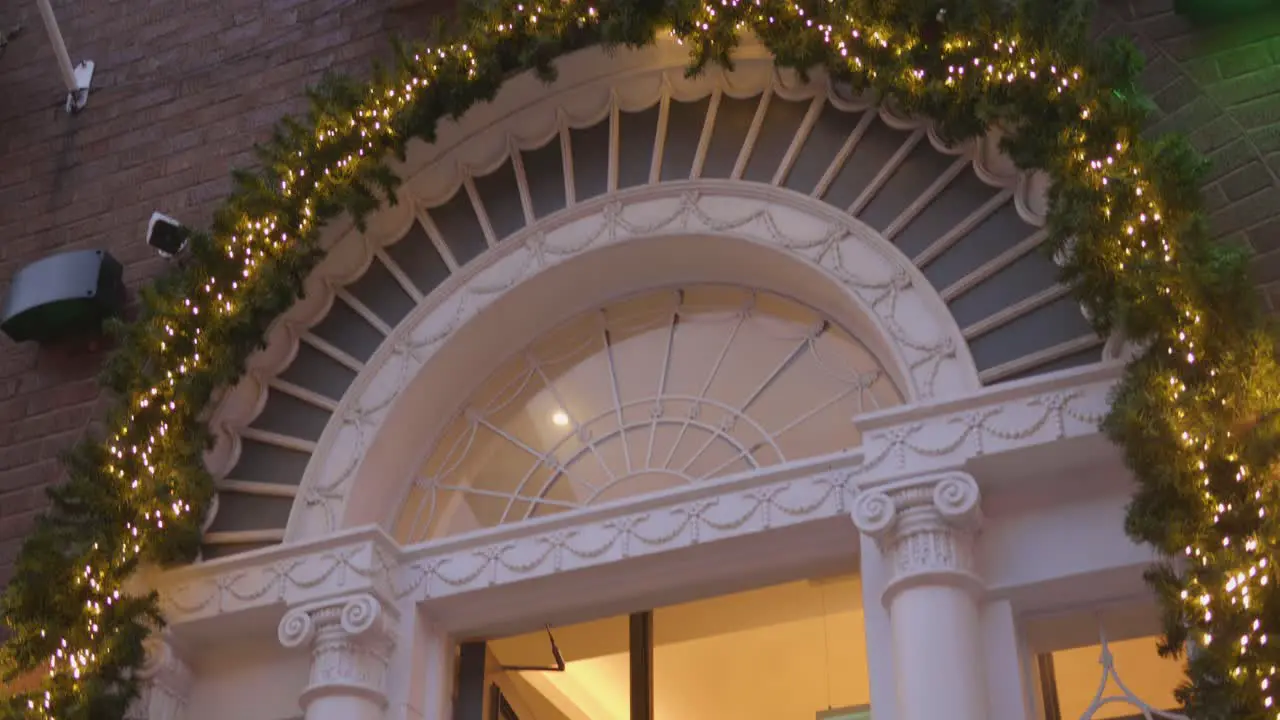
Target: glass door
column 499, row 707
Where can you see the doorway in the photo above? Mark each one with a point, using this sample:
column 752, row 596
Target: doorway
column 795, row 650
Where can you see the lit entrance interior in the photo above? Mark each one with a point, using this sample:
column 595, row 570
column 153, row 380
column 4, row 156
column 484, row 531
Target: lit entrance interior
column 795, row 650
column 1071, row 679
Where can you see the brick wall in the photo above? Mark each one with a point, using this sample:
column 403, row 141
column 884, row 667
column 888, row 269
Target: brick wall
column 184, row 87
column 1220, row 85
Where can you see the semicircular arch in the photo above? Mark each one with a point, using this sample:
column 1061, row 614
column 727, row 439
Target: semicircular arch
column 665, row 389
column 613, row 247
column 486, row 194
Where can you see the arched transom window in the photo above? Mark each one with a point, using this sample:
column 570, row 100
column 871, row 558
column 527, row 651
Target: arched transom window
column 657, row 391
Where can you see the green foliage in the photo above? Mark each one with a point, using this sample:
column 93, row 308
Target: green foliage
column 1196, row 413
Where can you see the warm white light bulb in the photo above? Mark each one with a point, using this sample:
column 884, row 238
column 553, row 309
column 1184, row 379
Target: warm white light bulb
column 560, row 418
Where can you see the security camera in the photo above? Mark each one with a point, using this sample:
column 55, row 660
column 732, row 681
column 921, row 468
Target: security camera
column 166, row 235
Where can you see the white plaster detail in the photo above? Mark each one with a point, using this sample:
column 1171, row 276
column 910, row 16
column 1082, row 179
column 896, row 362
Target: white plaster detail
column 578, row 454
column 930, row 354
column 591, row 84
column 1021, row 414
column 165, row 683
column 344, row 564
column 351, row 639
column 925, row 527
column 901, row 443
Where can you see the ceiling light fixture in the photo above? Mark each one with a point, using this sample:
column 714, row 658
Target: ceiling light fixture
column 560, row 418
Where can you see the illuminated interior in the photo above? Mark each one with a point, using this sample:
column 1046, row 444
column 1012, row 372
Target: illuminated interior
column 661, row 390
column 1078, row 672
column 796, row 650
column 787, row 651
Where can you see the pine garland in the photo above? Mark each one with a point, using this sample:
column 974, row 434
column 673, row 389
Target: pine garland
column 1195, row 413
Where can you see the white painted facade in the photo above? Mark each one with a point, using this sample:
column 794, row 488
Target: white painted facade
column 984, row 519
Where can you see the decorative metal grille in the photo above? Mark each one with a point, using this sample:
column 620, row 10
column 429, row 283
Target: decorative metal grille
column 662, row 390
column 1107, row 696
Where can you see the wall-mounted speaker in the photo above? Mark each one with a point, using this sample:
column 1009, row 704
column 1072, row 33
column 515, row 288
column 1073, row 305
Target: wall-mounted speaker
column 63, row 296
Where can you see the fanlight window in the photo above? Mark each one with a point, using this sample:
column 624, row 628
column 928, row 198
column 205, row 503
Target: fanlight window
column 657, row 391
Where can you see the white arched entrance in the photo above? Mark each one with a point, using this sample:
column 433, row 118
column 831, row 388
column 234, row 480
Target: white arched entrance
column 937, row 245
column 398, row 485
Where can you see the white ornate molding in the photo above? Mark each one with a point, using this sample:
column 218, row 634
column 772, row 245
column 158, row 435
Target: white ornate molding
column 902, row 443
column 928, row 352
column 350, row 638
column 524, row 115
column 927, row 437
column 736, row 506
column 360, row 561
column 165, row 683
column 925, row 526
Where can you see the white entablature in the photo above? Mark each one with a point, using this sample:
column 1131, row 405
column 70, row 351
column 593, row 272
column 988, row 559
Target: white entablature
column 1036, row 415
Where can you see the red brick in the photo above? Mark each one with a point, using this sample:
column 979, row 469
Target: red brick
column 17, row 525
column 1265, row 238
column 58, row 421
column 21, row 501
column 181, row 93
column 1253, row 210
column 53, row 447
column 27, row 476
column 1243, row 60
column 1246, row 181
column 1230, row 158
column 62, row 395
column 16, row 456
column 1187, row 120
column 1217, row 133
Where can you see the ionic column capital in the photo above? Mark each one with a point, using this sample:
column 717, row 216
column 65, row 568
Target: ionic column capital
column 925, row 526
column 351, row 639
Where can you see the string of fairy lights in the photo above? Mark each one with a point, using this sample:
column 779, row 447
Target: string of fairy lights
column 972, row 64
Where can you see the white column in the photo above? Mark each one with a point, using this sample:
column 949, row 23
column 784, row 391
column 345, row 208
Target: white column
column 351, row 640
column 925, row 529
column 165, row 683
column 419, row 680
column 1008, row 664
column 880, row 661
